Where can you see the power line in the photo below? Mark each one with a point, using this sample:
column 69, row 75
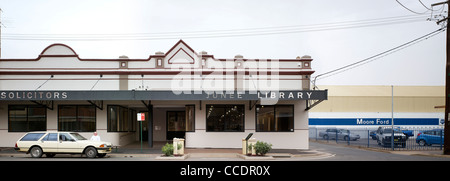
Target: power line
column 410, row 9
column 377, row 56
column 425, row 5
column 222, row 33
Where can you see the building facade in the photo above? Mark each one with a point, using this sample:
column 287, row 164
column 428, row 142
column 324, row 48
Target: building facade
column 211, row 102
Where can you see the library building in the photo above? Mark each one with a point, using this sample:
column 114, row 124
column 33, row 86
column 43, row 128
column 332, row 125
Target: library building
column 210, row 102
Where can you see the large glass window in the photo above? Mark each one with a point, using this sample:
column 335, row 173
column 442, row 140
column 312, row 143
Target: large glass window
column 120, row 119
column 80, row 118
column 278, row 118
column 225, row 118
column 25, row 118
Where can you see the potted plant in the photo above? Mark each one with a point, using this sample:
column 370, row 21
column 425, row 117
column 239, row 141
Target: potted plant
column 168, row 149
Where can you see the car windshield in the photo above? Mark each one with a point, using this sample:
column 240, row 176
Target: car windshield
column 390, row 131
column 78, row 136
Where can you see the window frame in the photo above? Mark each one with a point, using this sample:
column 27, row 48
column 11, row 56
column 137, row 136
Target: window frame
column 132, row 113
column 77, row 117
column 274, row 115
column 231, row 105
column 27, row 106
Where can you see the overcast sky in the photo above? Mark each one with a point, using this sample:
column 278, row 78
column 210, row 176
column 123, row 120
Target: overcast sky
column 139, row 28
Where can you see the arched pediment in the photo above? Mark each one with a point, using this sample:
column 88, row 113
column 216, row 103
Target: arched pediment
column 58, row 49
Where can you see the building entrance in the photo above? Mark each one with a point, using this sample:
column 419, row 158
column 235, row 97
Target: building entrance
column 176, row 124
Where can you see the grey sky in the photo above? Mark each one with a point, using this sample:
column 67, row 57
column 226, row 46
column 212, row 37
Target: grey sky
column 420, row 64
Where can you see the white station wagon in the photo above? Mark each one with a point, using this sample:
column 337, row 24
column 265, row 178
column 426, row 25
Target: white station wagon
column 51, row 143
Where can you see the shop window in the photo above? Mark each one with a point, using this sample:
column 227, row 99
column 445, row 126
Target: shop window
column 120, row 119
column 25, row 118
column 81, row 118
column 278, row 118
column 225, row 118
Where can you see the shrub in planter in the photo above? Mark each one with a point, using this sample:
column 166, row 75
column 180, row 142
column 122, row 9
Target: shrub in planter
column 261, row 148
column 167, row 149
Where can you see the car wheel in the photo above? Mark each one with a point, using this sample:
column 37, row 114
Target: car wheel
column 36, row 152
column 90, row 152
column 325, row 137
column 346, row 138
column 422, row 143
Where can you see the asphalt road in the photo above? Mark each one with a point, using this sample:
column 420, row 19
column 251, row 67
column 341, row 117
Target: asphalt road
column 342, row 153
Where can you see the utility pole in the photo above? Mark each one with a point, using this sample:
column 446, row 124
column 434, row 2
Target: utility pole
column 392, row 116
column 447, row 85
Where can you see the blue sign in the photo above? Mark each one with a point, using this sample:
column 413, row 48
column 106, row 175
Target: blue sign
column 373, row 121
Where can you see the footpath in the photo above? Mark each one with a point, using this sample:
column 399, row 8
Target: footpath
column 194, row 154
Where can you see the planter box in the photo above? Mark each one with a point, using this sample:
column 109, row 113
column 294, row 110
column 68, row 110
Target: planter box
column 245, row 157
column 163, row 157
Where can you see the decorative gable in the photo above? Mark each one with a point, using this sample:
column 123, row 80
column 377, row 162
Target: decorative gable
column 58, row 49
column 181, row 53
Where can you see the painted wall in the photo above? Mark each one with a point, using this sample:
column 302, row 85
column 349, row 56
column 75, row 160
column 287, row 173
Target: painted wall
column 287, row 140
column 8, row 139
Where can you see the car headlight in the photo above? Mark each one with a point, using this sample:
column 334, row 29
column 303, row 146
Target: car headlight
column 102, row 145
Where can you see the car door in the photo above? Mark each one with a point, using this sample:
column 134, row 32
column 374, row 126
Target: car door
column 332, row 133
column 49, row 143
column 67, row 144
column 436, row 137
column 341, row 134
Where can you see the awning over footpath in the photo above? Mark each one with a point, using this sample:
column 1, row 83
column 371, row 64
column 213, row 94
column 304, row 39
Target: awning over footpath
column 12, row 95
column 96, row 98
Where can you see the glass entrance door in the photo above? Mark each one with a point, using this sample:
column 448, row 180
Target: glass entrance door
column 176, row 124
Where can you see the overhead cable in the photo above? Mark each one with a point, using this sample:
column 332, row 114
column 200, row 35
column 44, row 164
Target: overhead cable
column 221, row 33
column 375, row 57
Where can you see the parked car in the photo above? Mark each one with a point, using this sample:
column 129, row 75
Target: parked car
column 430, row 137
column 407, row 133
column 384, row 137
column 51, row 143
column 373, row 135
column 340, row 133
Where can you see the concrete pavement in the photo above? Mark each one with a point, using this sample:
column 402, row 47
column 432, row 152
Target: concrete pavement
column 202, row 154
